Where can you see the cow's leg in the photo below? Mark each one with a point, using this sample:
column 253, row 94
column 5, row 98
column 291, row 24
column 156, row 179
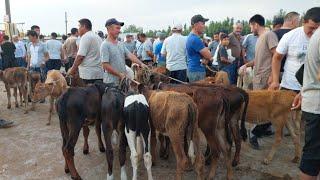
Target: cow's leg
column 131, row 138
column 178, row 148
column 164, row 146
column 295, row 134
column 199, row 161
column 107, row 131
column 50, row 110
column 237, row 140
column 8, row 96
column 213, row 155
column 122, row 153
column 15, row 94
column 68, row 149
column 226, row 150
column 278, row 124
column 147, row 156
column 20, row 95
column 86, row 131
column 25, row 97
column 98, row 132
column 153, row 142
column 65, row 137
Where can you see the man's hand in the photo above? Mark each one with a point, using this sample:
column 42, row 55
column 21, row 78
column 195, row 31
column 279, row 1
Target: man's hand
column 204, row 61
column 274, row 86
column 72, row 71
column 296, row 104
column 42, row 65
column 270, row 80
column 121, row 76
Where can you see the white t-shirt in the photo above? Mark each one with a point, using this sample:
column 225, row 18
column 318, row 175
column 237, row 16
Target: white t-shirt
column 175, row 49
column 89, row 47
column 294, row 44
column 54, row 48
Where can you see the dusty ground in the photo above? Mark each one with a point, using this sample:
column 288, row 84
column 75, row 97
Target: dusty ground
column 32, row 150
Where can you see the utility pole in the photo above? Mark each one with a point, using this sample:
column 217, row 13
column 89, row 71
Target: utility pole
column 8, row 14
column 66, row 21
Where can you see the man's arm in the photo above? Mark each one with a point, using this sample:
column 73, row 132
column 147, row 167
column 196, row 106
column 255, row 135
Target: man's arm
column 134, row 59
column 276, row 64
column 76, row 64
column 206, row 55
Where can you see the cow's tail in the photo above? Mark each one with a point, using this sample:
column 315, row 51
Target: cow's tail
column 225, row 114
column 192, row 120
column 243, row 130
column 61, row 107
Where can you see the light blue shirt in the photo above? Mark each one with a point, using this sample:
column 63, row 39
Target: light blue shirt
column 37, row 53
column 20, row 49
column 249, row 44
column 146, row 46
column 54, row 48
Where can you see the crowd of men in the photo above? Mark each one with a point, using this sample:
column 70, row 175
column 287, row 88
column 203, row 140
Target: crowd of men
column 276, row 56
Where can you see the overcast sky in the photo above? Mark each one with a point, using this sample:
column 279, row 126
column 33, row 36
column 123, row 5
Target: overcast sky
column 149, row 14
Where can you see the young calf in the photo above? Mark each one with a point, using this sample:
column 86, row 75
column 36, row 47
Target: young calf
column 136, row 120
column 54, row 86
column 16, row 78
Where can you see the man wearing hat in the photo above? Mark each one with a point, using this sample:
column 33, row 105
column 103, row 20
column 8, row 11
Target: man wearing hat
column 174, row 48
column 113, row 54
column 88, row 56
column 197, row 54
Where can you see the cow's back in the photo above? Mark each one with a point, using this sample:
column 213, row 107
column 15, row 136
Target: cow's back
column 265, row 105
column 16, row 76
column 169, row 109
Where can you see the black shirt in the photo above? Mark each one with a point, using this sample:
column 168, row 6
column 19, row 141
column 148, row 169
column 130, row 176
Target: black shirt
column 280, row 33
column 222, row 52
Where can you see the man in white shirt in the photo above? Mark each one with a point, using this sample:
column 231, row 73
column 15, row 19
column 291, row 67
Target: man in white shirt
column 88, row 56
column 294, row 44
column 54, row 48
column 174, row 48
column 20, row 52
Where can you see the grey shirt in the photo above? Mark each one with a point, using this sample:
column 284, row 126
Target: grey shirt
column 131, row 46
column 146, row 46
column 89, row 46
column 114, row 54
column 311, row 85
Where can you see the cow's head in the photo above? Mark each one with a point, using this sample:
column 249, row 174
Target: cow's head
column 41, row 91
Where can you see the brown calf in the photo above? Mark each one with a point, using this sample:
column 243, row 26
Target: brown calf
column 176, row 115
column 54, row 86
column 16, row 78
column 274, row 106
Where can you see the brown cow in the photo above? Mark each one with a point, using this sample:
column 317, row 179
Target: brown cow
column 16, row 78
column 54, row 86
column 220, row 78
column 175, row 114
column 274, row 106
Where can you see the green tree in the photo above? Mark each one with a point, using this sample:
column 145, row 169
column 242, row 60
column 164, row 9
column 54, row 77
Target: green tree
column 132, row 29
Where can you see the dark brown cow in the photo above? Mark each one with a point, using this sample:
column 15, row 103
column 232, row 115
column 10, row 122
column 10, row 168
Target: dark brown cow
column 77, row 108
column 16, row 78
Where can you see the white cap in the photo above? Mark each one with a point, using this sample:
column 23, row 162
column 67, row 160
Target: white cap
column 177, row 27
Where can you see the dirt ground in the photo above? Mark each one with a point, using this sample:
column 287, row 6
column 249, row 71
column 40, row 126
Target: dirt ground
column 32, row 150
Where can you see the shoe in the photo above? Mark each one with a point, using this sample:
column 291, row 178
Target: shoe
column 254, row 142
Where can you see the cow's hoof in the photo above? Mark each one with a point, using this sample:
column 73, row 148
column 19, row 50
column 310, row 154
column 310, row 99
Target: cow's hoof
column 235, row 163
column 48, row 124
column 67, row 171
column 266, row 161
column 208, row 161
column 17, row 105
column 85, row 151
column 295, row 159
column 9, row 107
column 102, row 149
column 26, row 112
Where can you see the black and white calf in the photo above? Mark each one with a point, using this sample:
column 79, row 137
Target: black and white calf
column 136, row 115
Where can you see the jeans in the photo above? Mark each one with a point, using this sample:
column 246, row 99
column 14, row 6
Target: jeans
column 91, row 81
column 231, row 69
column 40, row 70
column 180, row 75
column 69, row 64
column 196, row 76
column 21, row 62
column 53, row 64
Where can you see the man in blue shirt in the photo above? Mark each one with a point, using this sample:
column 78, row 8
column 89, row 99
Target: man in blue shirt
column 161, row 60
column 197, row 54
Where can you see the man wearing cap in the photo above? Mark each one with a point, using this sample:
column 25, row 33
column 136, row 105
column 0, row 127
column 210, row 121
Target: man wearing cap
column 196, row 50
column 88, row 56
column 113, row 54
column 174, row 48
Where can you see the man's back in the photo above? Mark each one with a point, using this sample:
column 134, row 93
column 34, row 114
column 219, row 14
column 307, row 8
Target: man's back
column 89, row 47
column 70, row 46
column 54, row 48
column 175, row 48
column 194, row 45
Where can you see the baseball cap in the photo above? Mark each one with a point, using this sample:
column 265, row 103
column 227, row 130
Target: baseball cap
column 198, row 18
column 113, row 21
column 177, row 27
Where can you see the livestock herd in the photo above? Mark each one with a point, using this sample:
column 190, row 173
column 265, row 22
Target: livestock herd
column 136, row 111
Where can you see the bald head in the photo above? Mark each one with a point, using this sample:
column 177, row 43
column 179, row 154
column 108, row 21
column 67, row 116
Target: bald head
column 237, row 28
